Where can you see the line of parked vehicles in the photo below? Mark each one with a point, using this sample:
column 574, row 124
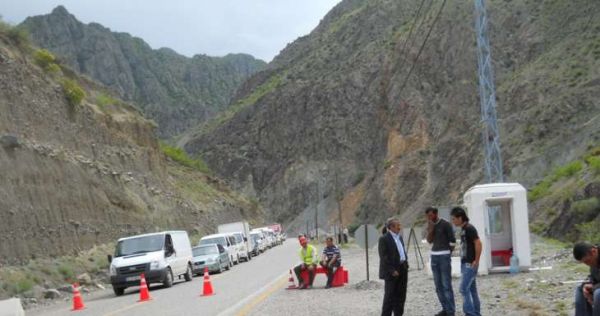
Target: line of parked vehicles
column 166, row 256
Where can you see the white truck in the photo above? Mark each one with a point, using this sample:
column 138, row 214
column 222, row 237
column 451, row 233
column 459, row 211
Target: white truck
column 242, row 231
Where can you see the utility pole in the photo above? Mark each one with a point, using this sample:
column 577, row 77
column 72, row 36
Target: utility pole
column 487, row 94
column 317, row 213
column 338, row 196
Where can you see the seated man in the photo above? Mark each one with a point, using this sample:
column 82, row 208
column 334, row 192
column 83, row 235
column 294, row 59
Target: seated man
column 587, row 295
column 330, row 260
column 308, row 255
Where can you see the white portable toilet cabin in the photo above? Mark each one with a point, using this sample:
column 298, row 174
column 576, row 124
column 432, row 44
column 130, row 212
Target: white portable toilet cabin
column 499, row 212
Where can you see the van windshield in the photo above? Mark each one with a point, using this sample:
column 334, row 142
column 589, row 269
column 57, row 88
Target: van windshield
column 238, row 238
column 208, row 250
column 216, row 240
column 139, row 245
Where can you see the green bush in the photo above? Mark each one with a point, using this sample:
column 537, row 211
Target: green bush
column 568, row 169
column 589, row 231
column 180, row 156
column 103, row 100
column 594, row 164
column 67, row 272
column 43, row 58
column 587, row 206
column 19, row 36
column 74, row 93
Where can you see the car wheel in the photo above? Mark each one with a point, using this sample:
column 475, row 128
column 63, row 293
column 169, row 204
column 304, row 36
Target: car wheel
column 168, row 281
column 118, row 290
column 237, row 261
column 249, row 255
column 188, row 274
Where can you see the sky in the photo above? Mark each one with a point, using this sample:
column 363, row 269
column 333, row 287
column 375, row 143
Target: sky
column 261, row 28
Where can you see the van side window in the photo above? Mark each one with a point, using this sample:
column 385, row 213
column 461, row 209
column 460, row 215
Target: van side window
column 169, row 245
column 221, row 249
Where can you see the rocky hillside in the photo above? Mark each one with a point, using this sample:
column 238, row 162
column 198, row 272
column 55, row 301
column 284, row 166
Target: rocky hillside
column 80, row 167
column 336, row 117
column 175, row 91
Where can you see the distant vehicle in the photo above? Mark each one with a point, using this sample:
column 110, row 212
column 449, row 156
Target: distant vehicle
column 259, row 242
column 244, row 244
column 213, row 256
column 227, row 241
column 276, row 228
column 162, row 257
column 270, row 236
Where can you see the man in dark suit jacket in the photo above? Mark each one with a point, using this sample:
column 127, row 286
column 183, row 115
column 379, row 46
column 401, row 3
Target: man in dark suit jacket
column 393, row 268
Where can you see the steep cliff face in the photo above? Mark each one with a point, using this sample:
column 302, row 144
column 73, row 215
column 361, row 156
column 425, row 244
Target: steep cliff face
column 336, row 118
column 78, row 174
column 175, row 91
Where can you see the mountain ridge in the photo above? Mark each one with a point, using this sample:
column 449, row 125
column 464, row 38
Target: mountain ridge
column 174, row 90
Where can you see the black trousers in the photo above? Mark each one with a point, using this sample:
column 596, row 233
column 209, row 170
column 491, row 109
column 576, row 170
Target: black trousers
column 395, row 293
column 311, row 273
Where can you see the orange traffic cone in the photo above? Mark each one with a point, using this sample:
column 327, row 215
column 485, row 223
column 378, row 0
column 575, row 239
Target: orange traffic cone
column 77, row 300
column 207, row 290
column 144, row 293
column 292, row 285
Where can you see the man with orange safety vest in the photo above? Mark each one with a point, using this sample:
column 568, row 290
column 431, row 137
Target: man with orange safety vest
column 308, row 255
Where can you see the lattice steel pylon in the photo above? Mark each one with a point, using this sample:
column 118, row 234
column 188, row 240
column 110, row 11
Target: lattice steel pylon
column 487, row 93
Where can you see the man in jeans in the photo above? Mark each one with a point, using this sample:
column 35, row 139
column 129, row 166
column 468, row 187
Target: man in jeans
column 470, row 251
column 441, row 234
column 587, row 295
column 330, row 260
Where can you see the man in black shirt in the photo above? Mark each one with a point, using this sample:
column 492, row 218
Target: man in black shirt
column 441, row 234
column 470, row 252
column 587, row 295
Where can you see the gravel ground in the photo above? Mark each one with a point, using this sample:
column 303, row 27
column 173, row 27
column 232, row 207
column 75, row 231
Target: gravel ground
column 533, row 293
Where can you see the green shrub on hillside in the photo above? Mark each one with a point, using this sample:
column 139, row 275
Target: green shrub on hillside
column 589, row 231
column 46, row 60
column 103, row 100
column 594, row 164
column 543, row 188
column 19, row 36
column 587, row 206
column 74, row 93
column 568, row 169
column 43, row 58
column 180, row 156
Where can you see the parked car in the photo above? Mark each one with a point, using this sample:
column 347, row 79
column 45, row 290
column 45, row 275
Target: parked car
column 213, row 256
column 162, row 257
column 227, row 241
column 264, row 240
column 259, row 244
column 242, row 246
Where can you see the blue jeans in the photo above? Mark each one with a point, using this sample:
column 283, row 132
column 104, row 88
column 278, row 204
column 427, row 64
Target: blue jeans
column 582, row 307
column 442, row 278
column 468, row 289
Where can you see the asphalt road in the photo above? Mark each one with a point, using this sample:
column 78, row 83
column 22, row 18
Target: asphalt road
column 237, row 291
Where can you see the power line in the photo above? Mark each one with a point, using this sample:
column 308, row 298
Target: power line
column 403, row 50
column 422, row 46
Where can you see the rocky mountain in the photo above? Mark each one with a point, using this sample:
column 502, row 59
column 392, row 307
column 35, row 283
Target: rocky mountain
column 81, row 167
column 175, row 91
column 378, row 108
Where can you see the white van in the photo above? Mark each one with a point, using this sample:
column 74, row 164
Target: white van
column 227, row 241
column 161, row 257
column 242, row 244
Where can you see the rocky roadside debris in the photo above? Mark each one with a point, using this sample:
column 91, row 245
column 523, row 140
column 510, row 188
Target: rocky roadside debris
column 544, row 291
column 45, row 295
